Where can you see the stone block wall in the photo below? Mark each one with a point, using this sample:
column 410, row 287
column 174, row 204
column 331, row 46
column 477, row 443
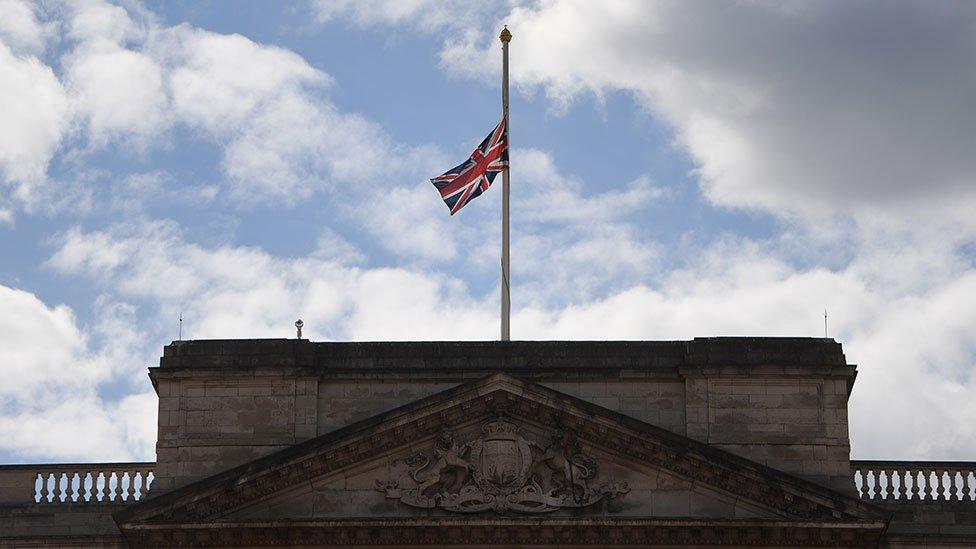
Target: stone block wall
column 779, row 401
column 210, row 423
column 65, row 525
column 345, row 401
column 792, row 421
column 655, row 400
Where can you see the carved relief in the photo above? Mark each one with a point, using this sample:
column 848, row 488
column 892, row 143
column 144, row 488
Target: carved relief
column 501, row 471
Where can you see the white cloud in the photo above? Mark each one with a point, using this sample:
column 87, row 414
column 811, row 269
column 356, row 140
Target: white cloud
column 911, row 340
column 429, row 14
column 816, row 109
column 125, row 78
column 119, row 92
column 38, row 342
column 21, row 29
column 569, row 245
column 245, row 292
column 34, row 114
column 52, row 373
column 95, row 21
column 83, row 426
column 218, row 80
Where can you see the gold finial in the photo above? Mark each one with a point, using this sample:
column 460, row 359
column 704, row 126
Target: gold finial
column 505, row 36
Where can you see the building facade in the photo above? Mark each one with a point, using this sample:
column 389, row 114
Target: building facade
column 709, row 442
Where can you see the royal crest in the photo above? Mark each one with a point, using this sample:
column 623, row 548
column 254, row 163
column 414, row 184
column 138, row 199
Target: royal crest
column 501, row 471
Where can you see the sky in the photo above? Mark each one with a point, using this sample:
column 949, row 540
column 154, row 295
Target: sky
column 679, row 169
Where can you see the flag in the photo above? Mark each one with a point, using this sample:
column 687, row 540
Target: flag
column 461, row 184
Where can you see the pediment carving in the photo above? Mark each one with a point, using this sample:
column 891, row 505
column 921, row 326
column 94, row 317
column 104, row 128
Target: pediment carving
column 501, row 470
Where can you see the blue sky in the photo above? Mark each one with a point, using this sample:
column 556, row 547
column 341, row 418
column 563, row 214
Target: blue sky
column 678, row 170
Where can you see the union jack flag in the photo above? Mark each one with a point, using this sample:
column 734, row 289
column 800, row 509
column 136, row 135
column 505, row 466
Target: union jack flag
column 467, row 181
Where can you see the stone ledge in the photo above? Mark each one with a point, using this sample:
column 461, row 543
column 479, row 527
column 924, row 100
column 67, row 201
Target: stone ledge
column 591, row 356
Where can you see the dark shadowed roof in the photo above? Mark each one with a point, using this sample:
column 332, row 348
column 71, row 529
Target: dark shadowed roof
column 496, row 355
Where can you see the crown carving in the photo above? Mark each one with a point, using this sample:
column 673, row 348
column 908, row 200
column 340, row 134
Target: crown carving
column 499, row 426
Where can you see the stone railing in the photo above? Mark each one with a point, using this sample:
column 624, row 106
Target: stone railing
column 77, row 483
column 919, row 481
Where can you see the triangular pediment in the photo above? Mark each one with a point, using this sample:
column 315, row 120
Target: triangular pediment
column 505, row 449
column 502, row 465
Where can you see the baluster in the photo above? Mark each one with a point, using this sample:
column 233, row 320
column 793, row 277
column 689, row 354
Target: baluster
column 926, row 483
column 858, row 482
column 940, row 484
column 897, row 490
column 140, row 491
column 150, row 478
column 112, row 486
column 73, row 486
column 98, row 486
column 46, row 488
column 874, row 483
column 125, row 483
column 64, row 483
column 970, row 485
column 954, row 494
column 950, row 484
column 36, row 492
column 916, row 490
column 866, row 483
column 87, row 482
column 923, row 482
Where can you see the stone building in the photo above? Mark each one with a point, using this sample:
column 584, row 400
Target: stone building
column 709, row 442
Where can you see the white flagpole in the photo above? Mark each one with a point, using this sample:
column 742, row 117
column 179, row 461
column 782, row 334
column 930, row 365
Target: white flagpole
column 505, row 37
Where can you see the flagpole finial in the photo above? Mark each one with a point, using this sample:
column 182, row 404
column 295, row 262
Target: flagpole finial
column 505, row 36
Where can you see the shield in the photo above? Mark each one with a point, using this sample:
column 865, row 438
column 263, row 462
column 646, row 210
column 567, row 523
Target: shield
column 501, row 462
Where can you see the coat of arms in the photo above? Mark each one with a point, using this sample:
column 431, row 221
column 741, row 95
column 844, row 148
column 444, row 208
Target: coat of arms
column 501, row 471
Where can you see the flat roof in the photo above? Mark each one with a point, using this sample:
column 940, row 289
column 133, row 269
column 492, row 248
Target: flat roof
column 703, row 352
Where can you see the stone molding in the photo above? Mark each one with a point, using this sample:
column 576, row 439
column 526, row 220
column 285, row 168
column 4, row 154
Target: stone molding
column 524, row 357
column 525, row 532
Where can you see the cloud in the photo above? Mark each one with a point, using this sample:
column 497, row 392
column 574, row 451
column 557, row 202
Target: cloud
column 230, row 291
column 835, row 107
column 21, row 29
column 911, row 340
column 52, row 371
column 129, row 81
column 429, row 14
column 118, row 91
column 35, row 113
column 37, row 342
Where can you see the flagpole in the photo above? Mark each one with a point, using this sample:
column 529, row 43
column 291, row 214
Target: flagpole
column 505, row 37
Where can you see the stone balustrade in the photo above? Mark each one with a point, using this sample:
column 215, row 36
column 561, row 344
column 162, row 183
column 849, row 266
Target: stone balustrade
column 889, row 481
column 916, row 481
column 76, row 483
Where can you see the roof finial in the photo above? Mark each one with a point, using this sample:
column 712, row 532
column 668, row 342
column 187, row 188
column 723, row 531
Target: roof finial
column 298, row 326
column 505, row 36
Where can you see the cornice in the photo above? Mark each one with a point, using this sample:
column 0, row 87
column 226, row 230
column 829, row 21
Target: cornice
column 511, row 532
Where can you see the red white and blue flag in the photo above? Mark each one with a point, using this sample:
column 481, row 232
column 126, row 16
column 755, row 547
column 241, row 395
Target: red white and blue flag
column 467, row 181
